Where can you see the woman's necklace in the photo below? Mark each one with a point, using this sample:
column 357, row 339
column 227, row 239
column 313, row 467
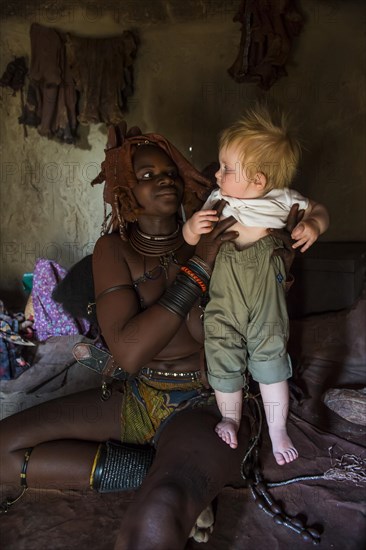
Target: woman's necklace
column 162, row 246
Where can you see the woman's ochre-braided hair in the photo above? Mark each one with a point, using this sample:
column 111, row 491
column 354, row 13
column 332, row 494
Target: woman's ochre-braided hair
column 119, row 176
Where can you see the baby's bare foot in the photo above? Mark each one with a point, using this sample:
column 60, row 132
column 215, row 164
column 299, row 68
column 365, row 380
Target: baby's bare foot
column 283, row 449
column 227, row 430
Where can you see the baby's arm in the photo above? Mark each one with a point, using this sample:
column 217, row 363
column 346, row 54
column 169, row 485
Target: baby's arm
column 201, row 222
column 314, row 223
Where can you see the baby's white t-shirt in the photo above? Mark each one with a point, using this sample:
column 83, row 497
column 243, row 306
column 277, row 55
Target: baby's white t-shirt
column 270, row 210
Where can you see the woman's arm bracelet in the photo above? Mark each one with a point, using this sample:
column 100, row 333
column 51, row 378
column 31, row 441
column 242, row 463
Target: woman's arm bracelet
column 190, row 283
column 200, row 265
column 180, row 296
column 198, row 271
column 192, row 275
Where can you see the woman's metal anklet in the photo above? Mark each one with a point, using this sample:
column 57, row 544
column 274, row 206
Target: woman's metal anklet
column 7, row 503
column 120, row 467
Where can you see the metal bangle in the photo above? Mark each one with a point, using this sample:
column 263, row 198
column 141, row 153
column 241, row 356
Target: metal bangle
column 180, row 296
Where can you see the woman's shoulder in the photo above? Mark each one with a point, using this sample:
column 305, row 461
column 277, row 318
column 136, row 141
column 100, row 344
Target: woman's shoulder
column 109, row 237
column 111, row 260
column 110, row 243
column 112, row 253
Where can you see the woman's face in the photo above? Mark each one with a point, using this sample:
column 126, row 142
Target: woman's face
column 159, row 189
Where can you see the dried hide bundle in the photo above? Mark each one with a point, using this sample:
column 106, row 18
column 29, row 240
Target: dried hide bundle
column 268, row 28
column 102, row 71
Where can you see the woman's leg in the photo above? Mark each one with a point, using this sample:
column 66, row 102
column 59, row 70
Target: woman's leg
column 63, row 435
column 191, row 466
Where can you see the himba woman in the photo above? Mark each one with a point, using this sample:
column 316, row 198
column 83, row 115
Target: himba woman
column 149, row 288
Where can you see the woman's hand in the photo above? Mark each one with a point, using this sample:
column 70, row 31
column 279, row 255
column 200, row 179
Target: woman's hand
column 288, row 253
column 210, row 243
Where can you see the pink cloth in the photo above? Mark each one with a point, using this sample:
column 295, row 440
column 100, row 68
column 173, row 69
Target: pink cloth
column 50, row 319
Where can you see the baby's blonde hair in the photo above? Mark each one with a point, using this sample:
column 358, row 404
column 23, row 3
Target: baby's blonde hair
column 265, row 145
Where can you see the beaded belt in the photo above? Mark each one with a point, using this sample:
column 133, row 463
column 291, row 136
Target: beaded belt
column 167, row 375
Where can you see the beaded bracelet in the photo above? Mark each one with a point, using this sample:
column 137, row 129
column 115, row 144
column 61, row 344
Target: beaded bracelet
column 195, row 277
column 201, row 272
column 190, row 283
column 198, row 270
column 201, row 264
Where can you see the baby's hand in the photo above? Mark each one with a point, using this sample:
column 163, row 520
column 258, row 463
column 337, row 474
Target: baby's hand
column 305, row 234
column 200, row 223
column 203, row 221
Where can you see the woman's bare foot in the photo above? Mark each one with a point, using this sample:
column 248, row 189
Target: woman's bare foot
column 227, row 429
column 283, row 449
column 203, row 527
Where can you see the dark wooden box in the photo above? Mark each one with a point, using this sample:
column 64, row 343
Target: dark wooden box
column 328, row 277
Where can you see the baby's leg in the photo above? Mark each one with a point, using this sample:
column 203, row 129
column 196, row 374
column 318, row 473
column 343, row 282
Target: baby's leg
column 276, row 402
column 230, row 406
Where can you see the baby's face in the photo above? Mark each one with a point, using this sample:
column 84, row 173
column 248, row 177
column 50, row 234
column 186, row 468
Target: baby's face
column 231, row 177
